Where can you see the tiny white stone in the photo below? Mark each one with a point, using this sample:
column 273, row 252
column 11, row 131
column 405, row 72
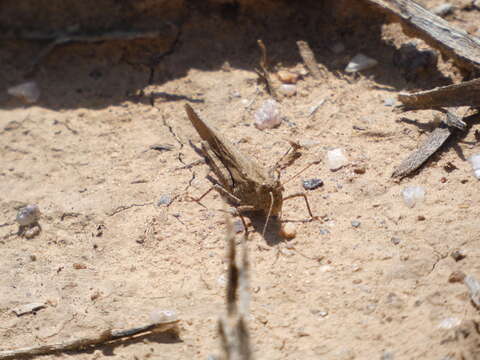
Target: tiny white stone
column 268, row 115
column 413, row 195
column 159, row 316
column 288, row 89
column 360, row 62
column 449, row 323
column 336, row 159
column 474, row 160
column 222, row 280
column 325, row 268
column 27, row 91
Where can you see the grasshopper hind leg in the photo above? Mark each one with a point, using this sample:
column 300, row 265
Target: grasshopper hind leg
column 302, row 194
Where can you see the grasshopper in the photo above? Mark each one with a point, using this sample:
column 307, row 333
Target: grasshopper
column 241, row 179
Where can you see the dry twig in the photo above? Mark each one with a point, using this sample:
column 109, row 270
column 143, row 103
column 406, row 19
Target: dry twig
column 82, row 343
column 309, row 58
column 263, row 72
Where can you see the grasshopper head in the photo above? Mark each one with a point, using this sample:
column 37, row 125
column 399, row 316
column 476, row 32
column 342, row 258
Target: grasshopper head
column 271, row 197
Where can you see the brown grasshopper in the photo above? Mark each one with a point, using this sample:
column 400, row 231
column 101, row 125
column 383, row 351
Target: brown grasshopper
column 241, row 179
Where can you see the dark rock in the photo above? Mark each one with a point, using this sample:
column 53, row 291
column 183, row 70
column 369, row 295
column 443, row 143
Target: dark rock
column 312, row 184
column 355, row 223
column 458, row 255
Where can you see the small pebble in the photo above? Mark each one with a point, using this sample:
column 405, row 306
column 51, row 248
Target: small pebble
column 336, row 159
column 356, row 268
column 288, row 231
column 287, row 77
column 287, row 89
column 319, row 312
column 360, row 62
column 222, row 280
column 32, row 232
column 442, row 9
column 395, row 240
column 28, row 91
column 78, row 266
column 287, row 252
column 324, row 232
column 413, row 195
column 387, row 355
column 449, row 323
column 158, row 316
column 164, row 200
column 312, row 184
column 456, row 277
column 359, row 170
column 33, row 258
column 268, row 115
column 325, row 268
column 389, row 102
column 355, row 223
column 474, row 160
column 458, row 255
column 28, row 215
column 421, row 218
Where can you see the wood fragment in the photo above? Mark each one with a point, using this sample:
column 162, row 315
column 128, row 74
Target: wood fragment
column 28, row 308
column 309, row 59
column 452, row 120
column 232, row 328
column 434, row 141
column 464, row 94
column 435, row 31
column 82, row 343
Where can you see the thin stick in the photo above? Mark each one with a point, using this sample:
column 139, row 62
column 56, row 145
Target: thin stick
column 263, row 72
column 79, row 344
column 309, row 59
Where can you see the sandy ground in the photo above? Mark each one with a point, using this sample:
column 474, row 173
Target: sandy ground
column 108, row 254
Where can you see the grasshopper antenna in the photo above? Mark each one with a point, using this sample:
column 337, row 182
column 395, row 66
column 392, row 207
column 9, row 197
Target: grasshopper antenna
column 301, row 171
